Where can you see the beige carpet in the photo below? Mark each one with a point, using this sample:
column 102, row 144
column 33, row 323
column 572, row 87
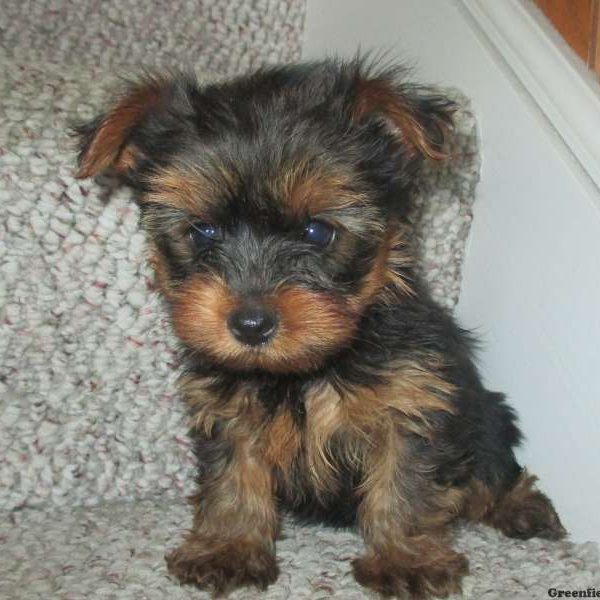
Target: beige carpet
column 116, row 551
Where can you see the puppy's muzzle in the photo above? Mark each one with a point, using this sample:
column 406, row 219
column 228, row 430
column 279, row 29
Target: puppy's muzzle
column 253, row 324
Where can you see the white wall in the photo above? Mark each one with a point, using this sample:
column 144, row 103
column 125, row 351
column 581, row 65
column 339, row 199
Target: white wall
column 532, row 275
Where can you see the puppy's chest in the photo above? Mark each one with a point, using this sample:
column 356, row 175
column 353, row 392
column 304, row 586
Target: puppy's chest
column 283, row 440
column 338, row 429
column 309, row 447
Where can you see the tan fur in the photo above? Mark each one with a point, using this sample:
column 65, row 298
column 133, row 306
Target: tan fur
column 189, row 189
column 223, row 565
column 245, row 488
column 480, row 501
column 282, row 442
column 381, row 509
column 206, row 407
column 365, row 416
column 406, row 541
column 303, row 190
column 324, row 419
column 178, row 188
column 429, row 568
column 379, row 96
column 308, row 190
column 445, row 505
column 200, row 308
column 243, row 498
column 385, row 273
column 411, row 390
column 522, row 511
column 128, row 158
column 236, row 519
column 108, row 147
column 407, row 551
column 310, row 325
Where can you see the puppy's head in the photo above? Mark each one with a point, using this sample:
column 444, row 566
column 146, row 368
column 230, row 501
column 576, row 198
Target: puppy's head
column 274, row 203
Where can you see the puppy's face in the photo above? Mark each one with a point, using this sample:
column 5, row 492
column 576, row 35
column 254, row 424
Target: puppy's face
column 273, row 203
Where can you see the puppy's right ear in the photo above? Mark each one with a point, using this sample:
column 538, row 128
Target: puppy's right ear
column 106, row 142
column 419, row 117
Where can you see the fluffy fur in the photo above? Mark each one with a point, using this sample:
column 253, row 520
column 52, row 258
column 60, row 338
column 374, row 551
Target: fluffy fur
column 364, row 406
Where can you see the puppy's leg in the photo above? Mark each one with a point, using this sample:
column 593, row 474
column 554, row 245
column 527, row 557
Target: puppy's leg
column 408, row 555
column 502, row 494
column 232, row 543
column 522, row 511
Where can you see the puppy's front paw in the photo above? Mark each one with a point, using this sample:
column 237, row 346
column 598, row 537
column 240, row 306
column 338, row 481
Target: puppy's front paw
column 388, row 578
column 221, row 567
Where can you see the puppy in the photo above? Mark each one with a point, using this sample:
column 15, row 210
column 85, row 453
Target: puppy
column 321, row 378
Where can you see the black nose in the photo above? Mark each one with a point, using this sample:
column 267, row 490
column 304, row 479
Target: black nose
column 253, row 324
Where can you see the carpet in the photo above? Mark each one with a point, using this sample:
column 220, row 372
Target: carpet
column 115, row 551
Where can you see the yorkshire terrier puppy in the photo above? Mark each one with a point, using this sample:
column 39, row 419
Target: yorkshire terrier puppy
column 321, row 378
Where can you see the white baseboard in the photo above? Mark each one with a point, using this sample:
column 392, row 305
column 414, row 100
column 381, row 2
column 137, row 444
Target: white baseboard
column 557, row 80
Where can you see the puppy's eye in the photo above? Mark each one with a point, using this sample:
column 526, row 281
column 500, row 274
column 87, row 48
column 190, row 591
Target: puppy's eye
column 204, row 235
column 318, row 233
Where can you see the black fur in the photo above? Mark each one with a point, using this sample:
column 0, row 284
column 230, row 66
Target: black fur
column 257, row 125
column 242, row 136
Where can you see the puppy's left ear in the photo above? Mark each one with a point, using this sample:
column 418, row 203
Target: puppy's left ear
column 417, row 115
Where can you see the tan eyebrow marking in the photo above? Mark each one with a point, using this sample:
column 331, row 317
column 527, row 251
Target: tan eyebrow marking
column 300, row 189
column 306, row 190
column 189, row 189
